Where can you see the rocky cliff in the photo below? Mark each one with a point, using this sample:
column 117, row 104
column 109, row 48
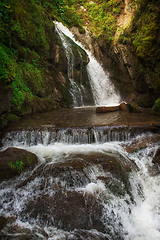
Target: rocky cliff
column 131, row 56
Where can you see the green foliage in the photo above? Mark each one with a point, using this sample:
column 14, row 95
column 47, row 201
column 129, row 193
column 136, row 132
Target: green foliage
column 142, row 33
column 142, row 37
column 25, row 32
column 33, row 76
column 156, row 107
column 7, row 68
column 19, row 87
column 101, row 17
column 18, row 165
column 5, row 9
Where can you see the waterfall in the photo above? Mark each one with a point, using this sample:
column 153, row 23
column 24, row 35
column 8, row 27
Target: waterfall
column 103, row 90
column 75, row 90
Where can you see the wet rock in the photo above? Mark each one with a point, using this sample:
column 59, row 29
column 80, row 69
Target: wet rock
column 84, row 234
column 141, row 142
column 63, row 200
column 123, row 106
column 133, row 107
column 67, row 210
column 13, row 161
column 3, row 222
column 156, row 158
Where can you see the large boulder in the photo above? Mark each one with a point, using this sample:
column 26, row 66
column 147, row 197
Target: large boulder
column 14, row 160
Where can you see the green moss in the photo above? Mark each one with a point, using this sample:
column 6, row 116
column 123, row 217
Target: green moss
column 18, row 165
column 133, row 107
column 156, row 107
column 7, row 67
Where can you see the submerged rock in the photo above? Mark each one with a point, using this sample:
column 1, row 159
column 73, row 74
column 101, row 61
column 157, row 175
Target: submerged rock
column 14, row 160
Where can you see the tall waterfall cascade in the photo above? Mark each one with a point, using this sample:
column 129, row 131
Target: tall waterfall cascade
column 103, row 89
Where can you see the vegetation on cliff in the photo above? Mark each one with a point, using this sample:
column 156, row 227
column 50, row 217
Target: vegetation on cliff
column 142, row 36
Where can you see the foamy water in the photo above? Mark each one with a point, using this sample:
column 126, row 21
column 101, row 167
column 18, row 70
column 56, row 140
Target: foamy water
column 123, row 216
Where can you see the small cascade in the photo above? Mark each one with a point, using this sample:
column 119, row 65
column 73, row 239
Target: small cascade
column 77, row 135
column 103, row 89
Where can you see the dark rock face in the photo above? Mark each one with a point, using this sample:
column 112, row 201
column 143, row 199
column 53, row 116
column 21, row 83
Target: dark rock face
column 156, row 158
column 3, row 222
column 14, row 160
column 67, row 211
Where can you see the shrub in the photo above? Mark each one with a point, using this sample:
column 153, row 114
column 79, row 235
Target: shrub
column 156, row 107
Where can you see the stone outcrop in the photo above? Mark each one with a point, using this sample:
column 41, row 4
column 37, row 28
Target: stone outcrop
column 156, row 158
column 15, row 160
column 81, row 209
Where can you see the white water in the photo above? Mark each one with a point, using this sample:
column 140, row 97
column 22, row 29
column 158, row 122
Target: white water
column 123, row 218
column 75, row 90
column 103, row 89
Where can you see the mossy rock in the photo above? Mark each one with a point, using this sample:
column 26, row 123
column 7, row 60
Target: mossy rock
column 156, row 107
column 14, row 160
column 133, row 107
